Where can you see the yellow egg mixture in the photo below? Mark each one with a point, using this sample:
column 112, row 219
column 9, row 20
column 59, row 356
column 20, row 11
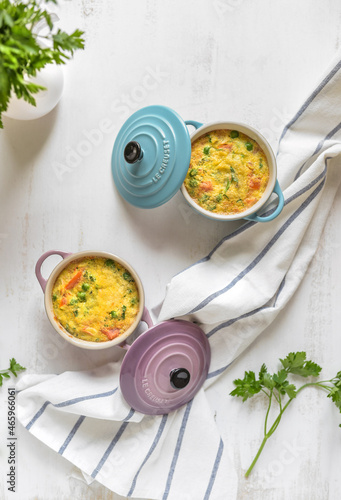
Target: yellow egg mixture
column 95, row 299
column 228, row 172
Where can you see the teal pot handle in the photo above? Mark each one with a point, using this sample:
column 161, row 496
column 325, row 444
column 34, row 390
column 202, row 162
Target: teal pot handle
column 258, row 218
column 194, row 123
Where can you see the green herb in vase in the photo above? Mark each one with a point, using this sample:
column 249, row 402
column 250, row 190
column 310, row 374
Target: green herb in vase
column 23, row 52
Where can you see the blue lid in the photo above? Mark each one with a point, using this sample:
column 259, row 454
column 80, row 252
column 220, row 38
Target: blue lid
column 151, row 156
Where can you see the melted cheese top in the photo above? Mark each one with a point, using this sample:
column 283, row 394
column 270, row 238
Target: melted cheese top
column 228, row 172
column 95, row 299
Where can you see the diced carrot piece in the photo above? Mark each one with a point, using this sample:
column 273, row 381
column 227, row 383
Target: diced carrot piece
column 206, row 186
column 63, row 301
column 226, row 146
column 74, row 280
column 111, row 333
column 250, row 201
column 254, row 183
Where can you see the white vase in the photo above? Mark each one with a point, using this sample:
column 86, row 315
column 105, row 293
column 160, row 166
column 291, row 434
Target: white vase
column 51, row 77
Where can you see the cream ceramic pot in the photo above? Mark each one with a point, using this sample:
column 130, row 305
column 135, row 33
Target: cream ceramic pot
column 272, row 186
column 47, row 286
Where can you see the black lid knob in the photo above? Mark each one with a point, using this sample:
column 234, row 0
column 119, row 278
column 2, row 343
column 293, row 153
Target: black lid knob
column 179, row 378
column 132, row 152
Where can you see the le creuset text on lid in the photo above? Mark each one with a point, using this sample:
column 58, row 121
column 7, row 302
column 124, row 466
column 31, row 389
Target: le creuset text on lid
column 151, row 156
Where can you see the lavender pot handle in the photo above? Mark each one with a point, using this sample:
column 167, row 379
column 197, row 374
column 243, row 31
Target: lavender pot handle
column 146, row 318
column 40, row 261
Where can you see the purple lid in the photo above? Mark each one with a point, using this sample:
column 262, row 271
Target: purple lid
column 165, row 367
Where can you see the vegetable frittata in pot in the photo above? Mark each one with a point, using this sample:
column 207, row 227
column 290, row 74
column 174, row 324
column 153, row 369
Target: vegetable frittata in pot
column 95, row 299
column 228, row 172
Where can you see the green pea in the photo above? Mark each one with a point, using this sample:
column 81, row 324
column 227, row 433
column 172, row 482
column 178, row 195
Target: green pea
column 193, row 183
column 85, row 287
column 113, row 314
column 127, row 276
column 81, row 296
column 54, row 297
column 234, row 134
column 249, row 146
column 73, row 301
column 193, row 172
column 110, row 263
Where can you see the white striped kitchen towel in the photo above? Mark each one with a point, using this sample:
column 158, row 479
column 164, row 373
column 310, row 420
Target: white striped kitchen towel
column 234, row 293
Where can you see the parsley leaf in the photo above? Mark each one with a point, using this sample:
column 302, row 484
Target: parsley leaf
column 246, row 387
column 265, row 378
column 297, row 364
column 13, row 369
column 278, row 388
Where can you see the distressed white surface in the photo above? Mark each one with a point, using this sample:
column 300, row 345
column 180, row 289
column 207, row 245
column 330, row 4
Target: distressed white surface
column 232, row 59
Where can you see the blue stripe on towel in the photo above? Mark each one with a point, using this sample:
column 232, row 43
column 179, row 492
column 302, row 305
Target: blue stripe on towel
column 319, row 147
column 311, row 98
column 109, row 449
column 68, row 403
column 217, row 372
column 214, row 470
column 262, row 254
column 37, row 415
column 85, row 398
column 113, row 443
column 234, row 320
column 151, row 449
column 130, row 414
column 246, row 315
column 177, row 450
column 71, row 434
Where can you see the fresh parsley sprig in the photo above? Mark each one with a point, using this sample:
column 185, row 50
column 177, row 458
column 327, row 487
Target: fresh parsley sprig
column 14, row 369
column 22, row 54
column 278, row 389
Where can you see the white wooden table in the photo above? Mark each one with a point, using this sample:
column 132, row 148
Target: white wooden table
column 242, row 60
